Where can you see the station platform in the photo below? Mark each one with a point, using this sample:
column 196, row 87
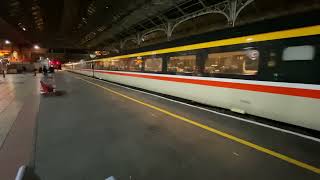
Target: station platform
column 19, row 106
column 98, row 129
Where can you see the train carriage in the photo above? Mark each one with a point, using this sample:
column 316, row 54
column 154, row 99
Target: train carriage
column 269, row 69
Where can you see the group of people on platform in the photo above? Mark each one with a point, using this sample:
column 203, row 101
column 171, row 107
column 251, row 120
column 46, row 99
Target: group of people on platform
column 43, row 70
column 46, row 70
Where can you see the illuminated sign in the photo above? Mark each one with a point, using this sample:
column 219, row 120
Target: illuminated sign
column 4, row 52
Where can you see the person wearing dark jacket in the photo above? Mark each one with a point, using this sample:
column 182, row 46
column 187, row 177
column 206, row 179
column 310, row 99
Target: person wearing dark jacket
column 45, row 70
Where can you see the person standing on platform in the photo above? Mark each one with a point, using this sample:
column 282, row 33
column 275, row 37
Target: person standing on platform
column 2, row 70
column 51, row 69
column 35, row 71
column 45, row 70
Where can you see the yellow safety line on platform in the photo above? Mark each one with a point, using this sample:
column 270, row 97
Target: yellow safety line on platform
column 223, row 134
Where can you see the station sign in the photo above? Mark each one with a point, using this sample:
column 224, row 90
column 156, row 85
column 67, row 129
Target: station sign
column 4, row 52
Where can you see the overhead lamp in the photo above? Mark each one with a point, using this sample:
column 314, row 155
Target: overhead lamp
column 92, row 55
column 7, row 42
column 36, row 47
column 24, row 29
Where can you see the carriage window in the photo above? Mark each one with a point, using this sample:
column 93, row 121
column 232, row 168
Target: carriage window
column 296, row 53
column 236, row 62
column 106, row 64
column 153, row 65
column 119, row 64
column 84, row 65
column 99, row 65
column 135, row 64
column 182, row 64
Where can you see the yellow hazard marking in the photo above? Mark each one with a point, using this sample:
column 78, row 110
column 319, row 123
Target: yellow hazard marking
column 215, row 131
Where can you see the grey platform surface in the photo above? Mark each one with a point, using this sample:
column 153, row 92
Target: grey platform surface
column 91, row 134
column 15, row 90
column 19, row 106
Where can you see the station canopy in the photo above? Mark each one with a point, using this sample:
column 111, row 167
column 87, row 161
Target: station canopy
column 114, row 25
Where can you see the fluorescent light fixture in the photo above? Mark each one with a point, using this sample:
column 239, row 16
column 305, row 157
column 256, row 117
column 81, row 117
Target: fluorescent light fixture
column 36, row 47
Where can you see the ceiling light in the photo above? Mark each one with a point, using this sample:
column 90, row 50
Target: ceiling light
column 7, row 42
column 24, row 29
column 36, row 47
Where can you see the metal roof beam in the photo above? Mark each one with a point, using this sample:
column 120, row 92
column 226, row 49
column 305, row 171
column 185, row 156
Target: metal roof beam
column 202, row 3
column 152, row 21
column 180, row 10
column 163, row 18
column 142, row 26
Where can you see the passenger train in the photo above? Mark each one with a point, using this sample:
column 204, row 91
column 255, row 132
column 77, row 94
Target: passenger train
column 269, row 69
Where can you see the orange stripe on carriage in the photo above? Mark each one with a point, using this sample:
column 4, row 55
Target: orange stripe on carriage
column 308, row 93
